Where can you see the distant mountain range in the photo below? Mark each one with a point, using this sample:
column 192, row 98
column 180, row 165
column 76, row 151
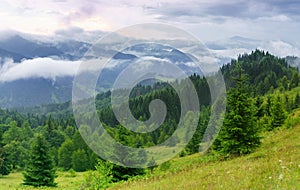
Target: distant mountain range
column 18, row 48
column 36, row 90
column 33, row 90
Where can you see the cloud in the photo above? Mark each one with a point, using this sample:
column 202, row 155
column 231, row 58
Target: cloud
column 206, row 19
column 47, row 68
column 236, row 45
column 77, row 33
column 280, row 48
column 230, row 8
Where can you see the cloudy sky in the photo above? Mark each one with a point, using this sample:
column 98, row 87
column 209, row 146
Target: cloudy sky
column 271, row 25
column 209, row 20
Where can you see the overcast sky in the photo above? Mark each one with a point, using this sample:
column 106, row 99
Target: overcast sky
column 271, row 25
column 209, row 20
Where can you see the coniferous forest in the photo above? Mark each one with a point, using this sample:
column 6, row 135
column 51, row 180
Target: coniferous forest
column 262, row 93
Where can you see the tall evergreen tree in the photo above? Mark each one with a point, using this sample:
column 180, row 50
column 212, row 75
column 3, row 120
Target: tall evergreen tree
column 39, row 170
column 239, row 134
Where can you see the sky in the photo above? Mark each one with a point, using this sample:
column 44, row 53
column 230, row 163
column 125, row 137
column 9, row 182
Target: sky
column 238, row 25
column 209, row 20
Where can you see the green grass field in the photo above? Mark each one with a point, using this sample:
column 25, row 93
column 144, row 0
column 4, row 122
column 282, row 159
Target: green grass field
column 275, row 165
column 64, row 180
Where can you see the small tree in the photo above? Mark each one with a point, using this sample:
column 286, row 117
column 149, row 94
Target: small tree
column 239, row 134
column 102, row 177
column 65, row 154
column 80, row 160
column 277, row 112
column 39, row 170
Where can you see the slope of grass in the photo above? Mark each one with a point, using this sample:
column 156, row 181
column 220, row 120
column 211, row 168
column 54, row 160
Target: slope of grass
column 275, row 165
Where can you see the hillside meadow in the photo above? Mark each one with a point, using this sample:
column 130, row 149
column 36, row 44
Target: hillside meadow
column 274, row 165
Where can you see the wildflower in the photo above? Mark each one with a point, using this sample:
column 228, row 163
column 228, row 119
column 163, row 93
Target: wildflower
column 280, row 176
column 280, row 161
column 270, row 177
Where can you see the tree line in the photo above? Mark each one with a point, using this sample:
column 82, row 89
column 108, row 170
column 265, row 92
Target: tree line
column 254, row 82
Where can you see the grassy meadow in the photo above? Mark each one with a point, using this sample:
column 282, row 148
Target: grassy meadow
column 65, row 181
column 275, row 165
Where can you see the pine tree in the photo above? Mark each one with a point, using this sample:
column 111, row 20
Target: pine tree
column 39, row 170
column 239, row 134
column 277, row 112
column 65, row 154
column 80, row 160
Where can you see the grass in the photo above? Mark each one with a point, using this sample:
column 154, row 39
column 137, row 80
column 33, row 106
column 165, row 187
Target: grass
column 65, row 181
column 275, row 165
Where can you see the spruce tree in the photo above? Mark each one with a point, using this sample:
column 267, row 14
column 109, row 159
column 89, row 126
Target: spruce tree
column 40, row 169
column 79, row 160
column 239, row 134
column 65, row 155
column 277, row 112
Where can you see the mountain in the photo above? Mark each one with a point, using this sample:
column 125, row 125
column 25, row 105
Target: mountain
column 18, row 48
column 7, row 54
column 35, row 91
column 28, row 49
column 265, row 72
column 31, row 90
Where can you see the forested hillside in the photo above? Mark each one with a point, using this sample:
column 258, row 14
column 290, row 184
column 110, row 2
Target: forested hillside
column 262, row 85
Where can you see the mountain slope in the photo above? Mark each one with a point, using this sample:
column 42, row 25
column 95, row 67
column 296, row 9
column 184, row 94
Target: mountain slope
column 19, row 45
column 275, row 165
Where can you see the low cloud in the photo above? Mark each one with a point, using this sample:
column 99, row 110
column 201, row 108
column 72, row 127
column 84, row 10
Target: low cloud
column 281, row 48
column 47, row 68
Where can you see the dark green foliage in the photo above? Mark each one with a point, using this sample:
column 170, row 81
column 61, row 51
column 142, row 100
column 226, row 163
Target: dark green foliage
column 277, row 113
column 193, row 145
column 120, row 155
column 5, row 167
column 65, row 154
column 296, row 101
column 266, row 74
column 53, row 135
column 16, row 153
column 39, row 170
column 16, row 143
column 80, row 160
column 239, row 134
column 264, row 71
